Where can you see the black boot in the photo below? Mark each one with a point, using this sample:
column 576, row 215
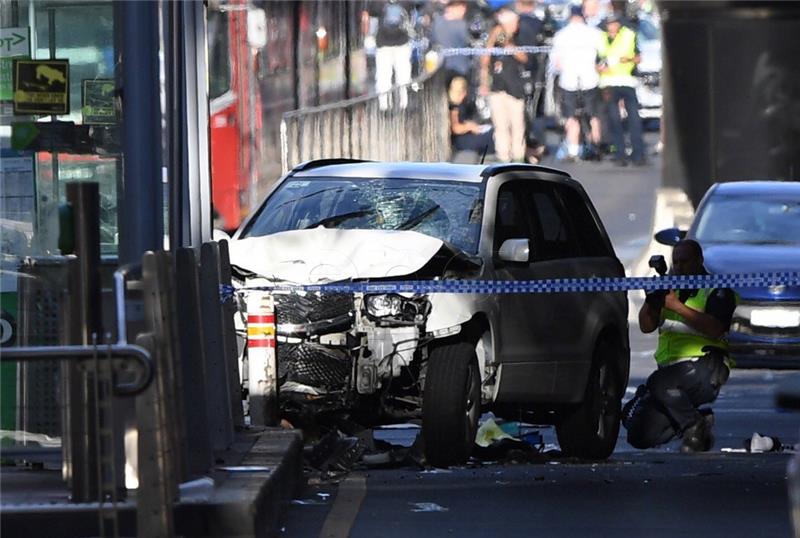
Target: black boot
column 698, row 437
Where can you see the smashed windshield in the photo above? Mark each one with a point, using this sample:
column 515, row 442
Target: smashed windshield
column 447, row 210
column 752, row 220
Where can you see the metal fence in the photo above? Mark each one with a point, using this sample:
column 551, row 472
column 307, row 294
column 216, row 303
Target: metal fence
column 408, row 123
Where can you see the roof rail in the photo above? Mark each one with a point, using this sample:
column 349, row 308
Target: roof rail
column 495, row 169
column 310, row 165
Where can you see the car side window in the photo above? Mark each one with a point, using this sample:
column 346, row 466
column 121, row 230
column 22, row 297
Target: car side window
column 590, row 237
column 511, row 221
column 556, row 235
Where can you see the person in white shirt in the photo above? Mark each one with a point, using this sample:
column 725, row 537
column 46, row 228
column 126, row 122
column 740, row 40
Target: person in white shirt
column 574, row 57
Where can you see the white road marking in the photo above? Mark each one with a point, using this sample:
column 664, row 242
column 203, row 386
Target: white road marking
column 345, row 508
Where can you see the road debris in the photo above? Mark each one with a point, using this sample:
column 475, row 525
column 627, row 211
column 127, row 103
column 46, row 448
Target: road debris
column 489, row 432
column 427, row 507
column 762, row 443
column 308, row 502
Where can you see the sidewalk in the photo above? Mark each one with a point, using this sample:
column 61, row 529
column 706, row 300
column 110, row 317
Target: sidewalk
column 244, row 496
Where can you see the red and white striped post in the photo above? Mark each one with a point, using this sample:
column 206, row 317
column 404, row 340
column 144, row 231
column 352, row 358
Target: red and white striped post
column 262, row 360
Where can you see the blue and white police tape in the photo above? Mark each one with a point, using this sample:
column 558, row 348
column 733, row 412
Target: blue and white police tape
column 492, row 51
column 551, row 285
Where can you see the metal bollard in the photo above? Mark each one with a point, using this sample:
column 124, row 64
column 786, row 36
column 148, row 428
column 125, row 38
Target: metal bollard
column 218, row 399
column 262, row 361
column 81, row 398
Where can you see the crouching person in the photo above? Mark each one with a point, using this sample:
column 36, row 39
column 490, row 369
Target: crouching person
column 692, row 360
column 469, row 139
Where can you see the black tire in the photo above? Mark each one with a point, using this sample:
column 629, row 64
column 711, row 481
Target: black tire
column 590, row 429
column 451, row 404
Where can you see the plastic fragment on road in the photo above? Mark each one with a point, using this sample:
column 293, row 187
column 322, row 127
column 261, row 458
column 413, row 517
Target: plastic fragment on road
column 404, row 426
column 762, row 443
column 244, row 468
column 308, row 502
column 428, row 507
column 490, row 432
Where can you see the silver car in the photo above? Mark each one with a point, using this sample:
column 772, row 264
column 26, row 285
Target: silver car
column 560, row 358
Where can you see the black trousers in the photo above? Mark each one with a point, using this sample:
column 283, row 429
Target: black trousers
column 668, row 402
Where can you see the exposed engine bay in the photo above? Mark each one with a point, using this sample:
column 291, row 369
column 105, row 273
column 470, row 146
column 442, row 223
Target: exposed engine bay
column 360, row 352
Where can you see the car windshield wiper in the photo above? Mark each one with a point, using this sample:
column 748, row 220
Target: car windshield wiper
column 417, row 219
column 338, row 219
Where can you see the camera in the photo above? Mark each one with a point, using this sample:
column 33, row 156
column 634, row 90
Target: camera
column 656, row 298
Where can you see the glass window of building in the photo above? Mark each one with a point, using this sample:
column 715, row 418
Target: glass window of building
column 59, row 123
column 59, row 119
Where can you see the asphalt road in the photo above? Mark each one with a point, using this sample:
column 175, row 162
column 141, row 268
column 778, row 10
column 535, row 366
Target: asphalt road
column 660, row 492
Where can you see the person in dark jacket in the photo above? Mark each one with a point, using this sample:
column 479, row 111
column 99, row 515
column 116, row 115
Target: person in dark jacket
column 507, row 96
column 466, row 134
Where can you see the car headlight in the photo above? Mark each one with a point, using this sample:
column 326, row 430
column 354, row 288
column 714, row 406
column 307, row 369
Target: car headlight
column 385, row 305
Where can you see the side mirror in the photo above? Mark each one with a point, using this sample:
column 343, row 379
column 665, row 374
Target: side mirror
column 514, row 250
column 670, row 236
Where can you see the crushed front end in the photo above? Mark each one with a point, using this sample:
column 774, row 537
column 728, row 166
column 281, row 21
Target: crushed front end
column 335, row 351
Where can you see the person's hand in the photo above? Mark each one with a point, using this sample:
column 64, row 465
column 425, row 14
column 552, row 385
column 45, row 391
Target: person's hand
column 476, row 128
column 483, row 89
column 671, row 301
column 655, row 299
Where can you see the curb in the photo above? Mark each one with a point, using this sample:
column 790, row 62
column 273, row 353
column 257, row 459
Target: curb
column 235, row 503
column 251, row 503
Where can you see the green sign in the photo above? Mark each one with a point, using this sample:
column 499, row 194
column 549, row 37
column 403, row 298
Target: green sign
column 14, row 43
column 6, row 79
column 98, row 102
column 8, row 371
column 41, row 87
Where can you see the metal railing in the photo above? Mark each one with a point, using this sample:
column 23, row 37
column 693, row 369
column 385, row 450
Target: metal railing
column 175, row 386
column 408, row 123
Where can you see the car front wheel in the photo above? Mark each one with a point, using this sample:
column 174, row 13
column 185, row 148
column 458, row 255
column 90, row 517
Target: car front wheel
column 590, row 429
column 451, row 403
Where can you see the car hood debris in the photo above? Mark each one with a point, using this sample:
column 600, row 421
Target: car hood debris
column 323, row 255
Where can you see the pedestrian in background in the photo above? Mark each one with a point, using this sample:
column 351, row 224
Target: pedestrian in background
column 595, row 12
column 618, row 56
column 530, row 34
column 469, row 138
column 393, row 49
column 500, row 73
column 450, row 30
column 574, row 57
column 692, row 358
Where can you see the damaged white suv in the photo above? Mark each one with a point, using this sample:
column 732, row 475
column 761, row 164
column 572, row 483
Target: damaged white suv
column 560, row 358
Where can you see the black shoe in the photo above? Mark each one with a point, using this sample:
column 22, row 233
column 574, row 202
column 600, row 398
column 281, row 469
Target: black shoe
column 698, row 437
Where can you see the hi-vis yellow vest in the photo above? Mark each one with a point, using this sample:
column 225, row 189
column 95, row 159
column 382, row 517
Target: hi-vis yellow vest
column 624, row 45
column 677, row 340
